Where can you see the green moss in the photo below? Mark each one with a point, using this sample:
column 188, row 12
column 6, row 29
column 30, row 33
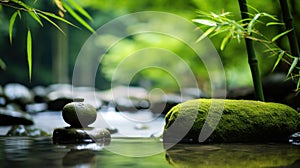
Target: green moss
column 241, row 120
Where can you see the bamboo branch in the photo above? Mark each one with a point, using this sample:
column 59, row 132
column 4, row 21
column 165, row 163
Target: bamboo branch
column 253, row 63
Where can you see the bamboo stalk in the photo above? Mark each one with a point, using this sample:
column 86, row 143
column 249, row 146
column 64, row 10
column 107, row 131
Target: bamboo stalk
column 252, row 60
column 289, row 25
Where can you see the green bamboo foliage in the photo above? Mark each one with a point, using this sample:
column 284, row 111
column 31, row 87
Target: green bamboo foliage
column 289, row 25
column 230, row 29
column 39, row 16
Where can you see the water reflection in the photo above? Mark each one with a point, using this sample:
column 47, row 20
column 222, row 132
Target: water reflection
column 41, row 152
column 234, row 155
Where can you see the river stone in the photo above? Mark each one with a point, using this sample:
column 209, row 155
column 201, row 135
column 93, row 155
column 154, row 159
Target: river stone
column 21, row 130
column 79, row 114
column 11, row 117
column 241, row 121
column 18, row 93
column 70, row 135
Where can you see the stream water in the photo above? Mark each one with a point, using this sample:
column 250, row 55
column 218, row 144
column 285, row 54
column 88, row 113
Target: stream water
column 41, row 152
column 137, row 144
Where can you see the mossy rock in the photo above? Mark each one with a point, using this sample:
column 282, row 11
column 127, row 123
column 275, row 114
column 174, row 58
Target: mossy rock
column 79, row 114
column 240, row 121
column 70, row 135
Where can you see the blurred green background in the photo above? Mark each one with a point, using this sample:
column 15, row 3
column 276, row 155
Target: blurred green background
column 54, row 54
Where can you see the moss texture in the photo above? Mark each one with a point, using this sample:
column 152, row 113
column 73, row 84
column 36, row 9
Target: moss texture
column 241, row 120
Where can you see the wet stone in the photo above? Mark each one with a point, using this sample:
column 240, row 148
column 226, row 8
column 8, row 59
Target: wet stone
column 230, row 121
column 79, row 114
column 295, row 138
column 18, row 93
column 70, row 135
column 11, row 117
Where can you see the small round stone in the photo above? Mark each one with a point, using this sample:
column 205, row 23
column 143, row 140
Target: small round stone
column 79, row 114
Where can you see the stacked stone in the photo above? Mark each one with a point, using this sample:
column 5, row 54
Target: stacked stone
column 80, row 115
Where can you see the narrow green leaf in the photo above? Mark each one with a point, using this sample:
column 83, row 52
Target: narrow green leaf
column 58, row 18
column 274, row 24
column 50, row 21
column 252, row 22
column 205, row 34
column 251, row 7
column 280, row 35
column 225, row 41
column 270, row 16
column 22, row 4
column 29, row 53
column 19, row 13
column 292, row 67
column 11, row 25
column 219, row 31
column 2, row 64
column 80, row 9
column 281, row 54
column 35, row 17
column 298, row 83
column 205, row 22
column 77, row 17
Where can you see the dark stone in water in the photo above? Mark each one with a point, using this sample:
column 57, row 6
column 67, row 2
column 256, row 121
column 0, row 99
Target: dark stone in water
column 70, row 135
column 18, row 93
column 131, row 105
column 40, row 94
column 295, row 138
column 112, row 130
column 21, row 130
column 58, row 104
column 167, row 102
column 11, row 117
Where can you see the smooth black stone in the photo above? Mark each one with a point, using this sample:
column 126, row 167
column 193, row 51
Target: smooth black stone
column 11, row 117
column 70, row 135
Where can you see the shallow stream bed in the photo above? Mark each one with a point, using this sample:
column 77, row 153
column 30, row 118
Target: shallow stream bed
column 137, row 144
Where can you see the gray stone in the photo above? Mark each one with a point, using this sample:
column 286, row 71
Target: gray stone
column 11, row 117
column 18, row 93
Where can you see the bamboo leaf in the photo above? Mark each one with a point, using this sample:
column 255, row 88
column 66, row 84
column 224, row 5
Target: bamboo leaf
column 205, row 22
column 278, row 59
column 77, row 17
column 35, row 17
column 29, row 53
column 251, row 7
column 274, row 24
column 80, row 9
column 225, row 41
column 298, row 83
column 2, row 64
column 292, row 67
column 58, row 18
column 270, row 16
column 50, row 21
column 205, row 34
column 11, row 25
column 22, row 4
column 59, row 5
column 252, row 22
column 280, row 35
